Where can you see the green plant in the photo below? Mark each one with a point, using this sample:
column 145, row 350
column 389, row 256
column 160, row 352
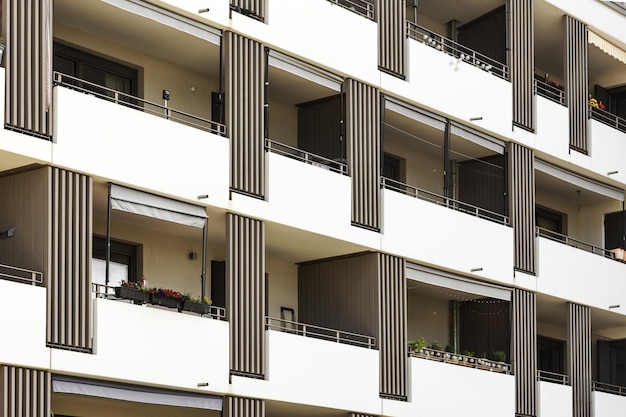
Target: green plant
column 468, row 353
column 416, row 345
column 450, row 349
column 435, row 345
column 499, row 356
column 482, row 355
column 203, row 300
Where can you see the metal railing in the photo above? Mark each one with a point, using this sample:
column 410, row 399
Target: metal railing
column 462, row 53
column 108, row 292
column 361, row 7
column 319, row 332
column 13, row 273
column 450, row 203
column 550, row 92
column 306, row 157
column 462, row 360
column 579, row 244
column 608, row 388
column 137, row 103
column 547, row 376
column 607, row 118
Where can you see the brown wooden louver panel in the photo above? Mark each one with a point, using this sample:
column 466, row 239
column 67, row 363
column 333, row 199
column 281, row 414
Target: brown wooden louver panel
column 28, row 70
column 576, row 90
column 392, row 37
column 243, row 407
column 579, row 357
column 363, row 139
column 244, row 85
column 524, row 361
column 24, row 392
column 521, row 178
column 245, row 294
column 522, row 63
column 392, row 326
column 70, row 248
column 254, row 8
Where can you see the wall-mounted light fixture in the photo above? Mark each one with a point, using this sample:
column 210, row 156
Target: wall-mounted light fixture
column 476, row 269
column 203, row 196
column 7, row 233
column 473, row 119
column 614, row 306
column 203, row 10
column 193, row 256
column 612, row 172
column 203, row 384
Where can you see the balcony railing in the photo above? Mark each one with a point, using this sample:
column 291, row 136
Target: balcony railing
column 607, row 118
column 361, row 7
column 12, row 273
column 550, row 92
column 333, row 335
column 462, row 53
column 553, row 377
column 462, row 360
column 608, row 388
column 137, row 103
column 108, row 292
column 444, row 201
column 558, row 237
column 306, row 157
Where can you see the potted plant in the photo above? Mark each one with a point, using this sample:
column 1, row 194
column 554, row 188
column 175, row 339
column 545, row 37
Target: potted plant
column 436, row 346
column 196, row 305
column 417, row 345
column 165, row 297
column 133, row 291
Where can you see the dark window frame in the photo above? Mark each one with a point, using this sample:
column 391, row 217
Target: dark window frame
column 122, row 252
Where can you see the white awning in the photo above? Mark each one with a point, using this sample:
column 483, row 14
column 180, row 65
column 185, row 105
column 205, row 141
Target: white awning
column 477, row 137
column 304, row 70
column 151, row 205
column 136, row 393
column 606, row 46
column 415, row 113
column 582, row 182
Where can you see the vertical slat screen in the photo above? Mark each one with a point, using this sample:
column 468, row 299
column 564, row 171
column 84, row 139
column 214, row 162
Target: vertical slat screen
column 69, row 277
column 524, row 361
column 24, row 392
column 579, row 357
column 243, row 407
column 392, row 324
column 576, row 78
column 244, row 86
column 28, row 69
column 245, row 293
column 392, row 37
column 363, row 138
column 255, row 8
column 522, row 65
column 521, row 179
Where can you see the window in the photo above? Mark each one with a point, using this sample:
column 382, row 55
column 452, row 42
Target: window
column 550, row 354
column 393, row 167
column 549, row 220
column 123, row 264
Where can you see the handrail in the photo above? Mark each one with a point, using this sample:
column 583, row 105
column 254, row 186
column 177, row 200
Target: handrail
column 463, row 360
column 361, row 7
column 108, row 292
column 319, row 332
column 13, row 273
column 138, row 103
column 608, row 388
column 457, row 50
column 607, row 118
column 444, row 201
column 548, row 376
column 307, row 157
column 570, row 241
column 550, row 92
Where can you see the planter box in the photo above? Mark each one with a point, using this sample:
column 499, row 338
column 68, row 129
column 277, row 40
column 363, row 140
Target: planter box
column 165, row 301
column 194, row 307
column 137, row 296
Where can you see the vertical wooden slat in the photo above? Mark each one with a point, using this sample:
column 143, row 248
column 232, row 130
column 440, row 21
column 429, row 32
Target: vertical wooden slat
column 364, row 152
column 576, row 78
column 392, row 37
column 24, row 392
column 522, row 64
column 69, row 275
column 521, row 179
column 579, row 357
column 27, row 63
column 245, row 293
column 243, row 407
column 244, row 92
column 392, row 327
column 257, row 7
column 524, row 348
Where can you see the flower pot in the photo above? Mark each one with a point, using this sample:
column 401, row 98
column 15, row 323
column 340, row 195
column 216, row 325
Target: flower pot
column 163, row 301
column 195, row 307
column 137, row 296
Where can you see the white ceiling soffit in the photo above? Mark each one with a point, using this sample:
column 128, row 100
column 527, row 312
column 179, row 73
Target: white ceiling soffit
column 582, row 182
column 478, row 138
column 606, row 46
column 443, row 279
column 141, row 8
column 151, row 205
column 415, row 113
column 304, row 70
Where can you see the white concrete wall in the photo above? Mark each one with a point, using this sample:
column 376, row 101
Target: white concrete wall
column 607, row 405
column 554, row 400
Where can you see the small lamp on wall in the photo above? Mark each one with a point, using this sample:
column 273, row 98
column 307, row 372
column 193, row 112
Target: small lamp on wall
column 193, row 256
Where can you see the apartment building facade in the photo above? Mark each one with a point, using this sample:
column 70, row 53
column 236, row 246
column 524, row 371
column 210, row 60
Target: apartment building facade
column 397, row 208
